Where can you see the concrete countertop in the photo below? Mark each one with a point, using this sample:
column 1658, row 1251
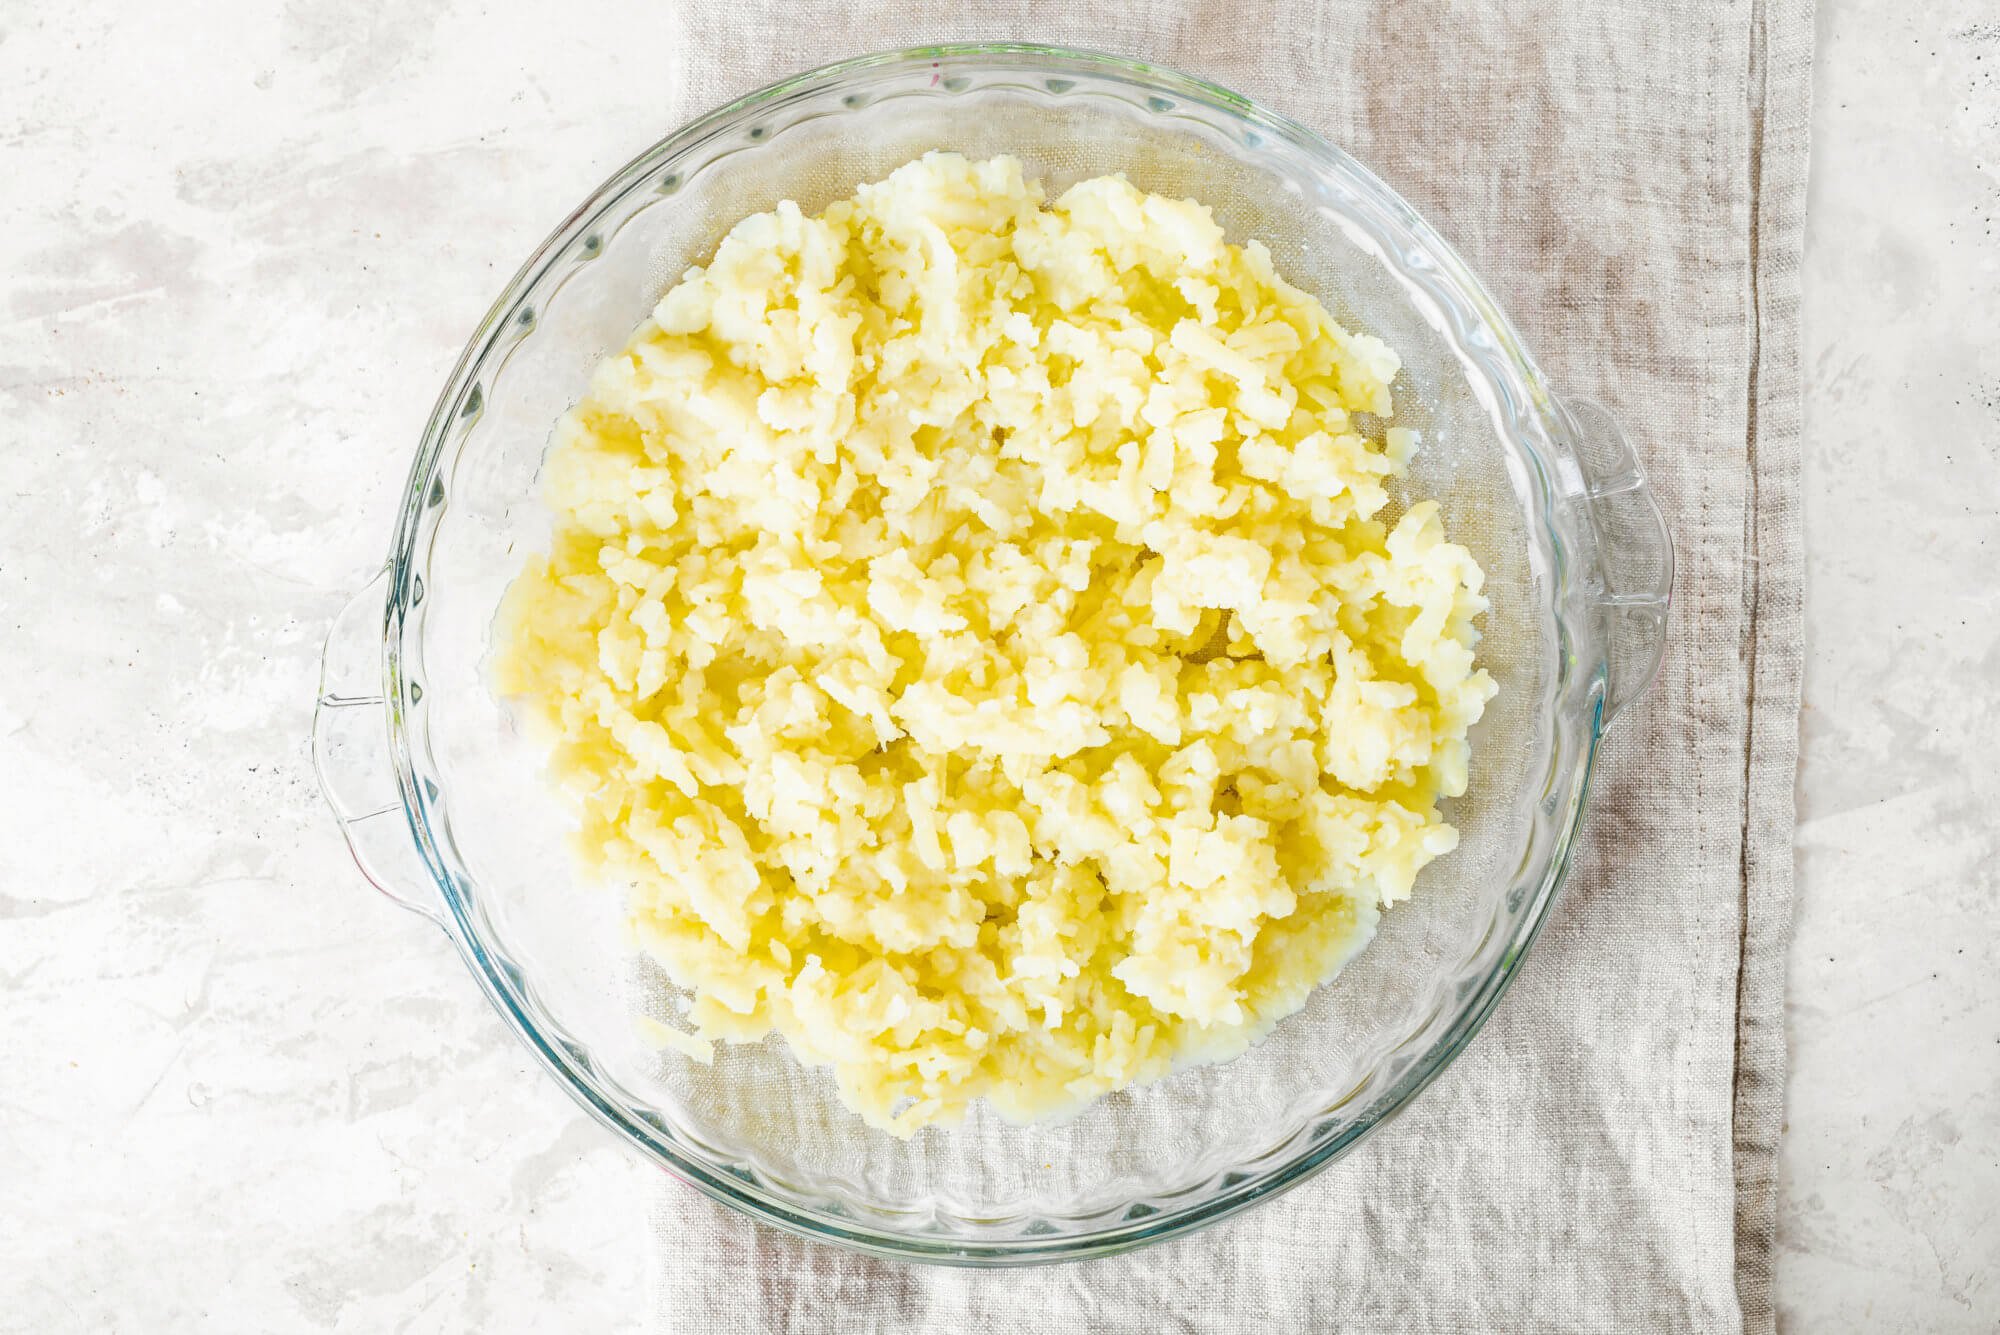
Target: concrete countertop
column 234, row 1091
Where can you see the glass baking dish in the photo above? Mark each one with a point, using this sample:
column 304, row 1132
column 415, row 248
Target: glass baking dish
column 439, row 794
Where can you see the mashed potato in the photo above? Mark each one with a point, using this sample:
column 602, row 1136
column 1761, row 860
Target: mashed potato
column 970, row 634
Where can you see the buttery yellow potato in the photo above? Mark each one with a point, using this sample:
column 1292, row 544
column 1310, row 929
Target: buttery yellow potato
column 969, row 632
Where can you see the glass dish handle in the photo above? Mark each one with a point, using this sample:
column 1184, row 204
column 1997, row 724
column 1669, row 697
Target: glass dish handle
column 1634, row 581
column 350, row 746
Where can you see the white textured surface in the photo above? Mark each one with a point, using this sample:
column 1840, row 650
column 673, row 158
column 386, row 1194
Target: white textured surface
column 241, row 245
column 1890, row 1169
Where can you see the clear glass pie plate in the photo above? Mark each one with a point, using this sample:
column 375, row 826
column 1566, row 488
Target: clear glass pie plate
column 442, row 801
